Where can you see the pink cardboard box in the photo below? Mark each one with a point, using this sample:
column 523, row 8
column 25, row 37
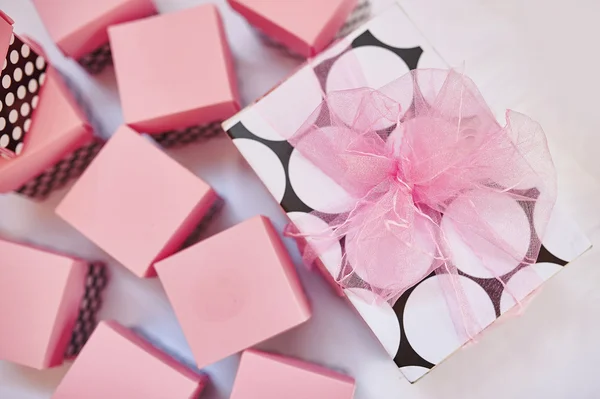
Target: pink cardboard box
column 79, row 27
column 45, row 139
column 228, row 300
column 175, row 73
column 48, row 304
column 116, row 363
column 136, row 203
column 268, row 376
column 306, row 27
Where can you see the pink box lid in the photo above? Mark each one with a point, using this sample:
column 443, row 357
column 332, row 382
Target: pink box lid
column 116, row 363
column 135, row 202
column 306, row 27
column 174, row 70
column 59, row 127
column 80, row 26
column 234, row 290
column 40, row 295
column 268, row 376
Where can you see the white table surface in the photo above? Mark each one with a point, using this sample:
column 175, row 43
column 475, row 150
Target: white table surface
column 538, row 57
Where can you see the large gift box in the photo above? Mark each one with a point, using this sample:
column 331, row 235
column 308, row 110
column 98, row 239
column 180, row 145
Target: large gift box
column 418, row 328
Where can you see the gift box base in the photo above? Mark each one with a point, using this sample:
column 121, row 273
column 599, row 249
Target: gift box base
column 57, row 176
column 212, row 213
column 181, row 137
column 90, row 305
column 97, row 60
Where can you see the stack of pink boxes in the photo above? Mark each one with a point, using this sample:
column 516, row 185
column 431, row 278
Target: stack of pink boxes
column 232, row 291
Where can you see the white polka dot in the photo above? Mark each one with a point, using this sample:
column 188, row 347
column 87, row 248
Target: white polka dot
column 25, row 109
column 40, row 63
column 265, row 164
column 431, row 60
column 29, row 68
column 14, row 56
column 420, row 262
column 1, row 105
column 18, row 74
column 12, row 39
column 395, row 29
column 21, row 92
column 2, row 123
column 25, row 50
column 6, row 81
column 4, row 141
column 379, row 316
column 27, row 125
column 376, row 68
column 525, row 281
column 9, row 99
column 5, row 64
column 368, row 66
column 428, row 321
column 42, row 78
column 19, row 148
column 413, row 373
column 34, row 102
column 311, row 224
column 17, row 133
column 315, row 188
column 13, row 116
column 507, row 222
column 283, row 114
column 562, row 236
column 33, row 86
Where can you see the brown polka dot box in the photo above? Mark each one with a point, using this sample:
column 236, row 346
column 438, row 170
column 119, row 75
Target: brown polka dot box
column 45, row 139
column 463, row 281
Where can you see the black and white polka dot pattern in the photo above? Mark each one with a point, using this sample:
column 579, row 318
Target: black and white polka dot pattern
column 62, row 172
column 175, row 138
column 97, row 60
column 95, row 283
column 23, row 74
column 418, row 331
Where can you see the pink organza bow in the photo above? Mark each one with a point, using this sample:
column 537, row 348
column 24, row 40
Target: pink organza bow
column 431, row 179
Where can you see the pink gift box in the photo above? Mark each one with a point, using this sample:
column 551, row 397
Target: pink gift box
column 79, row 27
column 116, row 363
column 175, row 73
column 136, row 203
column 45, row 139
column 268, row 376
column 48, row 303
column 306, row 27
column 228, row 300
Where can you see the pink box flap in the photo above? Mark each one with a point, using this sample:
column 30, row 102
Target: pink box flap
column 135, row 202
column 116, row 363
column 174, row 70
column 40, row 294
column 306, row 27
column 268, row 376
column 80, row 26
column 234, row 290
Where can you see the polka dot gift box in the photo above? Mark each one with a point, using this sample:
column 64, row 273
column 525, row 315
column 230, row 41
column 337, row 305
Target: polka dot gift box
column 270, row 376
column 117, row 363
column 172, row 85
column 48, row 304
column 79, row 27
column 46, row 139
column 418, row 329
